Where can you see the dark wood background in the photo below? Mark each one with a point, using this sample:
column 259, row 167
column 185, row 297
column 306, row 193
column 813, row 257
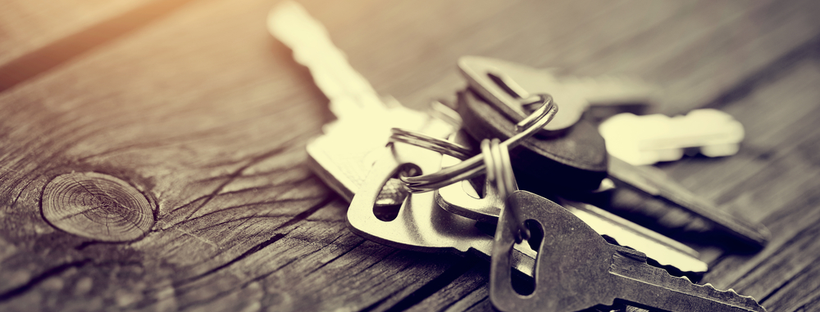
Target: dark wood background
column 194, row 105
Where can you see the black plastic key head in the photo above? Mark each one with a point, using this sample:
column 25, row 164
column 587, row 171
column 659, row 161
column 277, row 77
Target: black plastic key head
column 579, row 156
column 577, row 269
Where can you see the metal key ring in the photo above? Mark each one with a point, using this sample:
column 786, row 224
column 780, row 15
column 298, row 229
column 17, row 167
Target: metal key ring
column 500, row 175
column 431, row 143
column 474, row 166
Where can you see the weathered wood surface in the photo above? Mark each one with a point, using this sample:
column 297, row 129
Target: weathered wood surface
column 37, row 35
column 206, row 116
column 26, row 26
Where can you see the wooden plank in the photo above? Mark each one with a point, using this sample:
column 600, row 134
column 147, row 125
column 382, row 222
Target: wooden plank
column 778, row 189
column 207, row 117
column 26, row 26
column 459, row 294
column 36, row 36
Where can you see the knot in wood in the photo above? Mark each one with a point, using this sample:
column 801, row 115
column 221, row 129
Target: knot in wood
column 97, row 206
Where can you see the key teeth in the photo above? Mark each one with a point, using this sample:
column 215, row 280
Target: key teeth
column 709, row 291
column 683, row 284
column 729, row 296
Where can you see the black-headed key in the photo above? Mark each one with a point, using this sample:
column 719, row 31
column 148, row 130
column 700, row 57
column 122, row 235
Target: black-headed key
column 577, row 269
column 577, row 153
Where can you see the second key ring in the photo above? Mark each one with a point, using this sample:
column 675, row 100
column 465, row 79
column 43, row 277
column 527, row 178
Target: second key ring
column 474, row 165
column 432, row 143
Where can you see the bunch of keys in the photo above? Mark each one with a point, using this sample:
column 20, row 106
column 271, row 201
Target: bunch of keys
column 369, row 168
column 574, row 266
column 573, row 149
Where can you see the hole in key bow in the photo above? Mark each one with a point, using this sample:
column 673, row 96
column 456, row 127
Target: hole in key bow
column 393, row 193
column 522, row 284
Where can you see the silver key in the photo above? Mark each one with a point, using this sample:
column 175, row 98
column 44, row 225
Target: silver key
column 577, row 269
column 421, row 225
column 346, row 152
column 460, row 198
column 573, row 94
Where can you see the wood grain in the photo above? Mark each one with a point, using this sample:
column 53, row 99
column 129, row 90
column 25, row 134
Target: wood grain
column 26, row 26
column 36, row 36
column 200, row 112
column 96, row 206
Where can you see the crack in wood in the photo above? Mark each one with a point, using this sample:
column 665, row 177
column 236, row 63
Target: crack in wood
column 384, row 299
column 803, row 303
column 295, row 219
column 469, row 293
column 263, row 203
column 199, row 238
column 22, row 189
column 237, row 173
column 257, row 174
column 807, row 266
column 393, row 252
column 434, row 285
column 42, row 277
column 290, row 184
column 243, row 286
column 474, row 305
column 274, row 201
column 316, row 269
column 244, row 255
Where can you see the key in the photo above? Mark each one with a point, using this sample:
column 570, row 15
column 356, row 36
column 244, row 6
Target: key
column 577, row 269
column 579, row 157
column 420, row 223
column 645, row 140
column 461, row 198
column 574, row 94
column 501, row 184
column 346, row 152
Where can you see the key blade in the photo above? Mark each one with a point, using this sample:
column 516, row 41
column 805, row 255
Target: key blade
column 648, row 183
column 458, row 199
column 347, row 90
column 664, row 250
column 610, row 90
column 648, row 286
column 345, row 153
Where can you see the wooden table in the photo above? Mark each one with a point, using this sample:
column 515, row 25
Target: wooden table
column 165, row 142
